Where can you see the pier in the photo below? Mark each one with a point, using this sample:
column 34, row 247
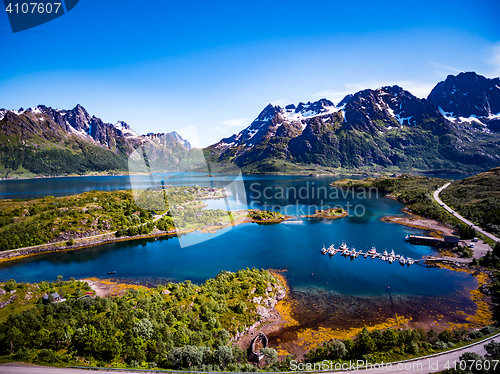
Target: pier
column 425, row 240
column 447, row 241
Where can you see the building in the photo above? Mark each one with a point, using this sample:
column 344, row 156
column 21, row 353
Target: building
column 451, row 241
column 56, row 298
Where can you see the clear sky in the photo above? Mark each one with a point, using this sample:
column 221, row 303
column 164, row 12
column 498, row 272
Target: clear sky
column 162, row 65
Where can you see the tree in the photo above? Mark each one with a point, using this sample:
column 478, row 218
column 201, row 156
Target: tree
column 144, row 329
column 186, row 356
column 445, row 336
column 364, row 344
column 474, row 362
column 493, row 349
column 270, row 356
column 336, row 350
column 389, row 339
column 224, row 356
column 496, row 249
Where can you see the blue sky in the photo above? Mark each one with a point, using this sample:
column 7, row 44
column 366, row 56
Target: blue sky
column 163, row 65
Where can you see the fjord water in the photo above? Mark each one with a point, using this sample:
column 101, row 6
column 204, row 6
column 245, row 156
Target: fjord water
column 294, row 245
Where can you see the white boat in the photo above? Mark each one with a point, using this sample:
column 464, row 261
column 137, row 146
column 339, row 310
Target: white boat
column 390, row 259
column 383, row 258
column 365, row 255
column 332, row 250
column 410, row 261
column 385, row 254
column 343, row 246
column 392, row 254
column 407, row 237
column 353, row 253
column 402, row 260
column 372, row 251
column 398, row 256
column 324, row 250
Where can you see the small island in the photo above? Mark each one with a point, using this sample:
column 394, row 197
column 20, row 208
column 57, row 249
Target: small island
column 329, row 213
column 266, row 216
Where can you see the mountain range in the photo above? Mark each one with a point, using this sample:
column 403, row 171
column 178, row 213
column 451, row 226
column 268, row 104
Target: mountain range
column 46, row 141
column 456, row 128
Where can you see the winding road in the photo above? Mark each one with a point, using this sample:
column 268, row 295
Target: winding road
column 435, row 195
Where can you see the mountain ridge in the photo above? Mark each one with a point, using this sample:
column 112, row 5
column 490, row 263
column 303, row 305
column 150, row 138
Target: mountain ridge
column 47, row 141
column 374, row 129
column 456, row 128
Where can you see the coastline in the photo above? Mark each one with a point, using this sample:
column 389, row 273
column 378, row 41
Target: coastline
column 323, row 173
column 436, row 228
column 109, row 237
column 308, row 317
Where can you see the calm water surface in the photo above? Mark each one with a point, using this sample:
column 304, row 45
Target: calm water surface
column 293, row 245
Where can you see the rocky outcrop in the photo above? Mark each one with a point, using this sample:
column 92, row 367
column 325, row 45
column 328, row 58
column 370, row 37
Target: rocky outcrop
column 3, row 304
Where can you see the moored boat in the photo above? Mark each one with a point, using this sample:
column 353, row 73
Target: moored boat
column 332, row 250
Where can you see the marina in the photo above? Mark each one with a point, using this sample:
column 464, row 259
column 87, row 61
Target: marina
column 352, row 253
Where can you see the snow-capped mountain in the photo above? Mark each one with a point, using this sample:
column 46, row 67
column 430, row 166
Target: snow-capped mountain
column 469, row 98
column 456, row 127
column 44, row 140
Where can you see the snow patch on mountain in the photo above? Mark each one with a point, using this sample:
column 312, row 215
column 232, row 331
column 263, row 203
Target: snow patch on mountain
column 126, row 130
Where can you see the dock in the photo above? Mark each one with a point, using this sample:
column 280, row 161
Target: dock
column 425, row 240
column 447, row 241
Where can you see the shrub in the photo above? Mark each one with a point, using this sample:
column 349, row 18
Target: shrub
column 487, row 330
column 46, row 355
column 476, row 335
column 440, row 345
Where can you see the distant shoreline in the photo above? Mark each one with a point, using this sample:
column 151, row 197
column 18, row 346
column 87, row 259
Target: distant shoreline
column 307, row 174
column 107, row 238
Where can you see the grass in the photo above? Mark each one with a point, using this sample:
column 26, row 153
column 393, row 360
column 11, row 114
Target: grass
column 477, row 198
column 22, row 303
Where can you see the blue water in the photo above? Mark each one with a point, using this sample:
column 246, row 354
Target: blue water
column 63, row 186
column 294, row 245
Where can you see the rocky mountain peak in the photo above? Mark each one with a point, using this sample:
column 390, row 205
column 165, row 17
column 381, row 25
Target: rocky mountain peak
column 466, row 95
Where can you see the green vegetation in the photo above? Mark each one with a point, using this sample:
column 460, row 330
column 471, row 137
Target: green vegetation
column 25, row 296
column 47, row 159
column 471, row 362
column 38, row 221
column 414, row 190
column 331, row 213
column 393, row 345
column 266, row 216
column 477, row 198
column 175, row 326
column 52, row 219
column 492, row 260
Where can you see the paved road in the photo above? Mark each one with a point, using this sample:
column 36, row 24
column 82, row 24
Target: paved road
column 419, row 366
column 435, row 195
column 429, row 365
